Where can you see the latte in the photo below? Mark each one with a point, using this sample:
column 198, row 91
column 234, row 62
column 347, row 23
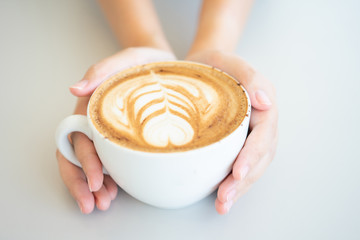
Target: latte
column 168, row 107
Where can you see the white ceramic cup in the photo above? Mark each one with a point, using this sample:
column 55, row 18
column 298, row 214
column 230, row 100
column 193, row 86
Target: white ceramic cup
column 166, row 180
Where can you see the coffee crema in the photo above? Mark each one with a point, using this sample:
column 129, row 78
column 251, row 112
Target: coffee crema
column 168, row 106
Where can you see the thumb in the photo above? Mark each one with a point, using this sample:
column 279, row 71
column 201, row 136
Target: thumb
column 124, row 59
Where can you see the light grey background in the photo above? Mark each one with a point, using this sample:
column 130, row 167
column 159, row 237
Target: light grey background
column 309, row 49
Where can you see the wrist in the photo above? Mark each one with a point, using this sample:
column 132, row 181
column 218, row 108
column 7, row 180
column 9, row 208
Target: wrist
column 218, row 39
column 135, row 23
column 148, row 40
column 199, row 49
column 220, row 25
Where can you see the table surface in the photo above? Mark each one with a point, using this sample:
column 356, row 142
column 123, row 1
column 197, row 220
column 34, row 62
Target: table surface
column 309, row 49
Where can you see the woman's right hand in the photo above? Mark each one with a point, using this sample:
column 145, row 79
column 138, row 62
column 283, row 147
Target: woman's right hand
column 88, row 185
column 260, row 146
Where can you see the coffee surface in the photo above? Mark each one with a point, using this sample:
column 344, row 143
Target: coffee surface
column 168, row 106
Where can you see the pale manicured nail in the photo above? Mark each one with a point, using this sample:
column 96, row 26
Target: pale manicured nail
column 228, row 205
column 262, row 98
column 231, row 195
column 80, row 85
column 89, row 184
column 80, row 206
column 244, row 171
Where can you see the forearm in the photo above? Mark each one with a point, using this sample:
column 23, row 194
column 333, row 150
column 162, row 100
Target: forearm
column 220, row 25
column 135, row 23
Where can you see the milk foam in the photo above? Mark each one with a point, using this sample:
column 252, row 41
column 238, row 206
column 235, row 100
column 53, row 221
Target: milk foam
column 160, row 109
column 168, row 107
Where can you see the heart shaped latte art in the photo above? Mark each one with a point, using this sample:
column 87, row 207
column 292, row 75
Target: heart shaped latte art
column 162, row 109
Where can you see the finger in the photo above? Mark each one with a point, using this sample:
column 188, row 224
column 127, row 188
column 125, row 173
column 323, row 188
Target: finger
column 232, row 189
column 253, row 150
column 252, row 161
column 224, row 207
column 111, row 186
column 109, row 66
column 260, row 142
column 102, row 198
column 225, row 191
column 90, row 162
column 261, row 91
column 228, row 193
column 75, row 181
column 257, row 153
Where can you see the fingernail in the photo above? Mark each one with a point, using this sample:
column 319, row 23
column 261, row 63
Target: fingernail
column 231, row 195
column 262, row 98
column 89, row 183
column 80, row 85
column 228, row 205
column 81, row 209
column 244, row 171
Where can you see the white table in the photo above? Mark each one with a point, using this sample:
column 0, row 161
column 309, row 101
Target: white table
column 309, row 49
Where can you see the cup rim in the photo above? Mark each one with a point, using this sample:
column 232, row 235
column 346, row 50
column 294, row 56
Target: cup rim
column 203, row 148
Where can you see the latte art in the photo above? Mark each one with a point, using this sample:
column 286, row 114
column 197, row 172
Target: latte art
column 168, row 108
column 163, row 110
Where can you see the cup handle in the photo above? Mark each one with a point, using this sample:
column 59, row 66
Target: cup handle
column 73, row 123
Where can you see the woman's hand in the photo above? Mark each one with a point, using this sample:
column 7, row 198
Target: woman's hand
column 260, row 145
column 89, row 186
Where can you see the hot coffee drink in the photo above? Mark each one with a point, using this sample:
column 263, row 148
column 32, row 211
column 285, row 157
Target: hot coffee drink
column 156, row 126
column 168, row 107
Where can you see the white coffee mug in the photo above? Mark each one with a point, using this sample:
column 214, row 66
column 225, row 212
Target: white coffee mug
column 166, row 180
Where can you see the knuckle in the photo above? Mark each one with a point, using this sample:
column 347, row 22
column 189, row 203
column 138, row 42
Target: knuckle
column 77, row 137
column 243, row 71
column 91, row 164
column 256, row 154
column 74, row 186
column 93, row 68
column 259, row 154
column 97, row 70
column 77, row 182
column 250, row 180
